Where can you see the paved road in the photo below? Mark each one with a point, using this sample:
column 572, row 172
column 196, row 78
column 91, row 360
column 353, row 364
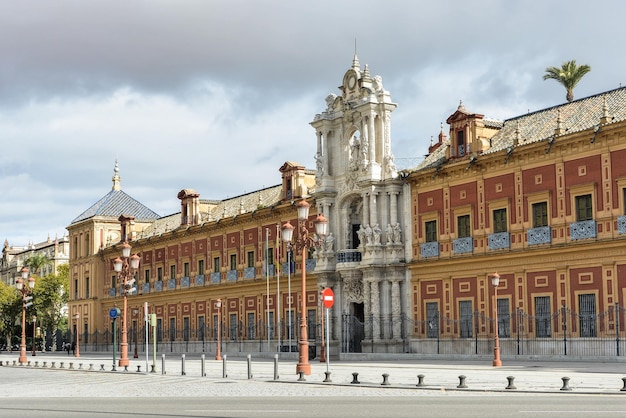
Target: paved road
column 595, row 388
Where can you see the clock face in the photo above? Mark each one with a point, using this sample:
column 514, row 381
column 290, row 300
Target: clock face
column 351, row 81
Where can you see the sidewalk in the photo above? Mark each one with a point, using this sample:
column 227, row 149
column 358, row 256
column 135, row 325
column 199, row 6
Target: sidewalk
column 437, row 375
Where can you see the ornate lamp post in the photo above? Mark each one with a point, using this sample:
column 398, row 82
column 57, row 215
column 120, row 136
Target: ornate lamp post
column 126, row 267
column 495, row 281
column 77, row 352
column 218, row 305
column 25, row 291
column 303, row 243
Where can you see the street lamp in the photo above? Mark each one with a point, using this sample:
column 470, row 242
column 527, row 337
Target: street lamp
column 126, row 267
column 77, row 352
column 34, row 353
column 218, row 305
column 303, row 243
column 26, row 291
column 495, row 281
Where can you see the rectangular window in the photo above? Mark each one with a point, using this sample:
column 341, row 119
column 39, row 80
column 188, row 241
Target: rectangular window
column 233, row 327
column 463, row 226
column 216, row 322
column 251, row 325
column 216, row 265
column 160, row 273
column 200, row 266
column 113, row 281
column 159, row 329
column 146, row 275
column 250, row 258
column 540, row 214
column 584, row 208
column 465, row 318
column 233, row 261
column 311, row 323
column 430, row 229
column 76, row 289
column 499, row 221
column 542, row 316
column 460, row 136
column 432, row 318
column 587, row 310
column 86, row 287
column 270, row 256
column 186, row 269
column 173, row 271
column 269, row 327
column 186, row 328
column 172, row 329
column 201, row 325
column 504, row 318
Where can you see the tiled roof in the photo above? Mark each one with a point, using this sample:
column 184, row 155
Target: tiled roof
column 116, row 203
column 576, row 116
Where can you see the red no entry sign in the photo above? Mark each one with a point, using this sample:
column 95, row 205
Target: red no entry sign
column 328, row 297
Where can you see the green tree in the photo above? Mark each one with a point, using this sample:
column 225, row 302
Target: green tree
column 10, row 310
column 51, row 295
column 569, row 74
column 36, row 262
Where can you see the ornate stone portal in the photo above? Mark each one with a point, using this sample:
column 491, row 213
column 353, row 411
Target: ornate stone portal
column 358, row 189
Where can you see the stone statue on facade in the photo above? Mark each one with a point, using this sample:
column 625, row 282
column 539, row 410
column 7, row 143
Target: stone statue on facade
column 397, row 234
column 328, row 243
column 376, row 232
column 368, row 234
column 389, row 234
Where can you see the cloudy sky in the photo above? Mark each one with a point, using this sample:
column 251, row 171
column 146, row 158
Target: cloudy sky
column 216, row 95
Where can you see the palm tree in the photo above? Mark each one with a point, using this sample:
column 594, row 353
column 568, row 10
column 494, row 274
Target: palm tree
column 36, row 262
column 568, row 75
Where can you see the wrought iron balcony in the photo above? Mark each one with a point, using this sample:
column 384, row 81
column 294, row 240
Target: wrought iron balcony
column 216, row 277
column 171, row 284
column 145, row 288
column 184, row 281
column 231, row 276
column 158, row 285
column 463, row 245
column 583, row 230
column 200, row 280
column 430, row 249
column 249, row 273
column 499, row 241
column 349, row 256
column 540, row 235
column 621, row 225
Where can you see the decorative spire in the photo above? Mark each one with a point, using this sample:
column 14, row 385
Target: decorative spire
column 559, row 124
column 366, row 73
column 116, row 177
column 355, row 60
column 461, row 106
column 606, row 118
column 517, row 133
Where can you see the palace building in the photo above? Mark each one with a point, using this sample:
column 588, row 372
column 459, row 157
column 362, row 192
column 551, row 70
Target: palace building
column 537, row 200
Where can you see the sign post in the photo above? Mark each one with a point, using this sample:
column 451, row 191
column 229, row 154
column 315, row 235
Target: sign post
column 113, row 314
column 328, row 298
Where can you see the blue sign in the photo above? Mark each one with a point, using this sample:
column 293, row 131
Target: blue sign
column 114, row 312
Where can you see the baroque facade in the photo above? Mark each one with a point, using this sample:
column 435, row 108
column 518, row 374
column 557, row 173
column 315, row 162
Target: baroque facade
column 540, row 199
column 13, row 257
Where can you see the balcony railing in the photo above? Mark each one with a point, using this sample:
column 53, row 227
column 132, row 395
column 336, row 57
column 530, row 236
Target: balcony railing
column 145, row 288
column 499, row 241
column 158, row 285
column 171, row 284
column 200, row 280
column 540, row 235
column 184, row 281
column 430, row 249
column 231, row 276
column 583, row 230
column 216, row 277
column 621, row 225
column 349, row 256
column 463, row 245
column 249, row 273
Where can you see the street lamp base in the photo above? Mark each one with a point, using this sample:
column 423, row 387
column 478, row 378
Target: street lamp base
column 304, row 368
column 497, row 363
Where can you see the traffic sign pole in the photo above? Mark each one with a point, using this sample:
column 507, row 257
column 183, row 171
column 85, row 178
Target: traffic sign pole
column 328, row 298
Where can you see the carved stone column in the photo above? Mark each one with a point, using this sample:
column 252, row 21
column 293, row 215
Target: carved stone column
column 375, row 314
column 367, row 307
column 396, row 309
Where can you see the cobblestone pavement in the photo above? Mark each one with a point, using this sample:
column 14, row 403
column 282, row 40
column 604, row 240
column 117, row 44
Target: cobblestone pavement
column 91, row 375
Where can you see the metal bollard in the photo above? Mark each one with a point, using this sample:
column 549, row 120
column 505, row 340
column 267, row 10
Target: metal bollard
column 162, row 363
column 53, row 366
column 301, row 378
column 511, row 384
column 623, row 389
column 139, row 368
column 28, row 364
column 462, row 384
column 275, row 366
column 45, row 364
column 125, row 368
column 101, row 367
column 355, row 378
column 420, row 380
column 224, row 364
column 71, row 366
column 182, row 365
column 249, row 358
column 90, row 366
column 385, row 380
column 80, row 366
column 327, row 380
column 565, row 380
column 36, row 364
column 202, row 370
column 61, row 365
